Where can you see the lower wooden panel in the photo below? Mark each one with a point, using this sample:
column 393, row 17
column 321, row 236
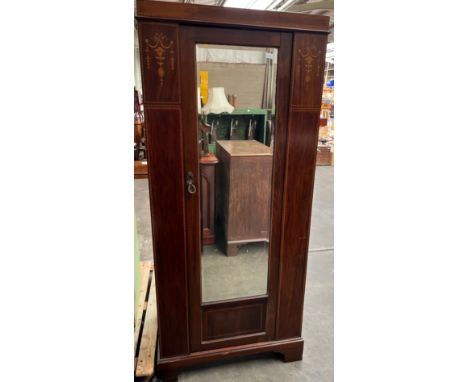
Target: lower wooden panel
column 231, row 321
column 167, row 216
column 300, row 172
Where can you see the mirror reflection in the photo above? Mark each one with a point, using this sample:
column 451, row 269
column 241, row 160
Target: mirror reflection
column 236, row 94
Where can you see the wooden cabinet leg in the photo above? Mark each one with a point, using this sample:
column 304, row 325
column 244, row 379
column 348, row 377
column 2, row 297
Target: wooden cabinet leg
column 231, row 249
column 170, row 379
column 167, row 375
column 293, row 354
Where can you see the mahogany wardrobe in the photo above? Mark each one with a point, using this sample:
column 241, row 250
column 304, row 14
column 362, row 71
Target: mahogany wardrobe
column 232, row 102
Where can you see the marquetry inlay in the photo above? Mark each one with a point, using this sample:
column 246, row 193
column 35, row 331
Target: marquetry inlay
column 309, row 60
column 157, row 48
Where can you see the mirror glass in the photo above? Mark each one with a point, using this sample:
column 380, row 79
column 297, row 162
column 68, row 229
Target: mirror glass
column 236, row 130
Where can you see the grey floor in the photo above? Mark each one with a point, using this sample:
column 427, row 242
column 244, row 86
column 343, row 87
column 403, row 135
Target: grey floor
column 317, row 363
column 225, row 277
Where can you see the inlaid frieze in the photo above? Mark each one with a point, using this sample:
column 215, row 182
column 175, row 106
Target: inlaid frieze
column 308, row 70
column 159, row 48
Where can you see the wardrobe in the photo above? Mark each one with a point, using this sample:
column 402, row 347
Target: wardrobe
column 212, row 306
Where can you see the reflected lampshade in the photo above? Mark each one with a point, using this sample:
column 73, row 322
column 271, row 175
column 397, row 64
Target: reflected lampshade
column 198, row 100
column 217, row 102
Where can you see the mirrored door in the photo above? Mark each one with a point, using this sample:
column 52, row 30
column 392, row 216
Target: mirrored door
column 233, row 80
column 236, row 120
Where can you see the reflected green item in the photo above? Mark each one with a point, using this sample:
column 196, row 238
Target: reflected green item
column 222, row 122
column 212, row 148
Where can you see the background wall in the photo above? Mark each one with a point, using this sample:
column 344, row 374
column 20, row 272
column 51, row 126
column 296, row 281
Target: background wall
column 136, row 66
column 244, row 80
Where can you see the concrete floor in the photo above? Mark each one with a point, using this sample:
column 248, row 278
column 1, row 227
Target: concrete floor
column 143, row 218
column 317, row 363
column 225, row 277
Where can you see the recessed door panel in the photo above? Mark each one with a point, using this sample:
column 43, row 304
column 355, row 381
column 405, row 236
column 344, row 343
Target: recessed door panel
column 230, row 320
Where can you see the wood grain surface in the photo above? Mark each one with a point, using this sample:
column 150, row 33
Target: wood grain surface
column 233, row 17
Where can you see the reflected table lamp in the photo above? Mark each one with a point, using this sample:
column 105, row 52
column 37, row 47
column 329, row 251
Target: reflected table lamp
column 217, row 102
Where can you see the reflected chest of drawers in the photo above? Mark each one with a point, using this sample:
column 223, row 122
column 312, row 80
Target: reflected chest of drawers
column 243, row 194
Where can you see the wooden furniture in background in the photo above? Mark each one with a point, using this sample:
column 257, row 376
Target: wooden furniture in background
column 139, row 132
column 323, row 132
column 324, row 155
column 140, row 169
column 243, row 195
column 207, row 172
column 326, row 133
column 138, row 120
column 192, row 332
